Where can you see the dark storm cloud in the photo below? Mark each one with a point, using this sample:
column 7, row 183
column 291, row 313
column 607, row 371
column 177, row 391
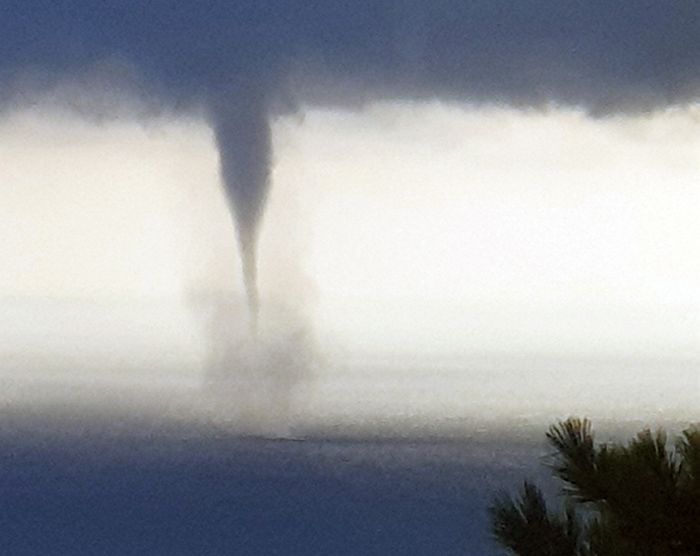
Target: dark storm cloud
column 598, row 54
column 241, row 60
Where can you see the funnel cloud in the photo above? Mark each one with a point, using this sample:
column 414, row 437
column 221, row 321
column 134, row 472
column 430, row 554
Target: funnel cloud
column 243, row 138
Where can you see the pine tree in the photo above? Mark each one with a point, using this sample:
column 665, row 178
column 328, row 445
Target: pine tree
column 638, row 499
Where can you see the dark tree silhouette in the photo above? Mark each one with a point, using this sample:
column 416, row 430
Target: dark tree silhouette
column 639, row 499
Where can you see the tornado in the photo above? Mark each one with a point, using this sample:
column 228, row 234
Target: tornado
column 243, row 137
